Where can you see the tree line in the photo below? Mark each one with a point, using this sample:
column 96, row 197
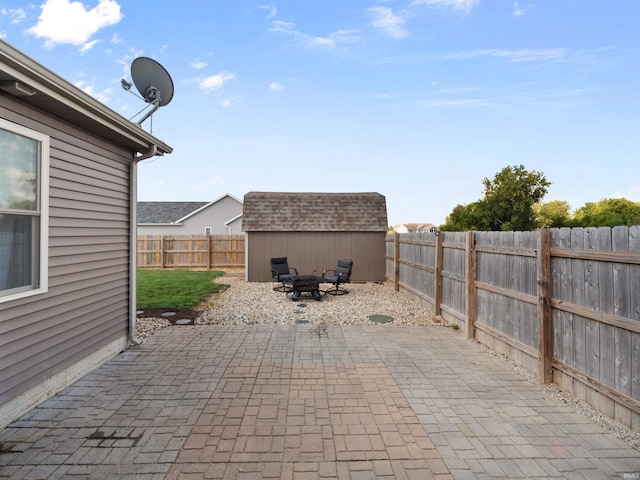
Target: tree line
column 512, row 201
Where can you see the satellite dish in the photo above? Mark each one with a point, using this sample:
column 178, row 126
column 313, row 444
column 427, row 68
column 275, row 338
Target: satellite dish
column 152, row 81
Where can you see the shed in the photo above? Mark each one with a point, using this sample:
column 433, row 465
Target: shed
column 222, row 216
column 68, row 194
column 314, row 230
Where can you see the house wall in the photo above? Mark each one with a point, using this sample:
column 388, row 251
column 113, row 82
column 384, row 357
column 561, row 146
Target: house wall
column 87, row 305
column 213, row 216
column 236, row 226
column 309, row 251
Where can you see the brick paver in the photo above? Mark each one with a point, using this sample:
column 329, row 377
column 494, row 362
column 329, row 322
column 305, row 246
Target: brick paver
column 234, row 402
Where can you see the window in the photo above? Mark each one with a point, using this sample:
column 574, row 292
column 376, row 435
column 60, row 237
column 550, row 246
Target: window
column 24, row 178
column 207, row 230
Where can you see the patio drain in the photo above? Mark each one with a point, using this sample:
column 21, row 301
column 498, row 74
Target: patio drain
column 380, row 318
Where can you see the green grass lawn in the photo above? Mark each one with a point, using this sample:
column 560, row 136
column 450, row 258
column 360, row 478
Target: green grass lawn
column 176, row 288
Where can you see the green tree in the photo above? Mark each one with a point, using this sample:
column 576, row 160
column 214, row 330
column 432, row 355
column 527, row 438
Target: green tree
column 555, row 213
column 608, row 212
column 463, row 218
column 509, row 198
column 507, row 203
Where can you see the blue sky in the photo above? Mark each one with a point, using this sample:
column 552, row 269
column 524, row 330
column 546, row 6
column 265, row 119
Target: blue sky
column 418, row 100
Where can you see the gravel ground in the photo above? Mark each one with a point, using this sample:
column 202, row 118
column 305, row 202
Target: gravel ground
column 256, row 304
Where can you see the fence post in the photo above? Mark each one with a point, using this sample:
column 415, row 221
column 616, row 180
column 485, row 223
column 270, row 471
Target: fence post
column 234, row 250
column 470, row 282
column 162, row 252
column 437, row 284
column 209, row 247
column 396, row 261
column 544, row 308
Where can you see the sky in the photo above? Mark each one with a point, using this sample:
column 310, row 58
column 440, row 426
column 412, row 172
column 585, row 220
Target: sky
column 418, row 100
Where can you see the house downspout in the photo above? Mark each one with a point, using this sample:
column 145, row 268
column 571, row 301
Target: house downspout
column 133, row 241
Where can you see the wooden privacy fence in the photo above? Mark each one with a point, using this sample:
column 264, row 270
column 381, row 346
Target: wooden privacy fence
column 190, row 251
column 564, row 303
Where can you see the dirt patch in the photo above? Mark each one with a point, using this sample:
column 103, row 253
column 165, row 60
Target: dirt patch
column 180, row 314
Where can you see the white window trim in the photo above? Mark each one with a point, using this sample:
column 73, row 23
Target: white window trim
column 44, row 208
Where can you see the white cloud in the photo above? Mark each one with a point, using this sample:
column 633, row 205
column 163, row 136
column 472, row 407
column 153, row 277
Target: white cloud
column 524, row 55
column 88, row 46
column 271, row 10
column 16, row 15
column 387, row 22
column 100, row 96
column 519, row 11
column 285, row 27
column 197, row 64
column 456, row 103
column 64, row 21
column 215, row 82
column 464, row 5
column 276, row 87
column 116, row 39
column 337, row 38
column 230, row 101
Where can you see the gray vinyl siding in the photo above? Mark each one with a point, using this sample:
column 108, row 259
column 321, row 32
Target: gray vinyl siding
column 309, row 251
column 215, row 216
column 87, row 304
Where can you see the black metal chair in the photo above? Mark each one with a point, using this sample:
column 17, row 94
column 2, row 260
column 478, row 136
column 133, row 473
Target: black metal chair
column 284, row 274
column 342, row 274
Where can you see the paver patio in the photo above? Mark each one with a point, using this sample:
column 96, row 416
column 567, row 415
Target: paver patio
column 360, row 402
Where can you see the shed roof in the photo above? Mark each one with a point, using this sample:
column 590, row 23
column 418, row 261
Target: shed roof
column 312, row 212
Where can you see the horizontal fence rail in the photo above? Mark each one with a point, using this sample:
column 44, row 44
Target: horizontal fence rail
column 190, row 251
column 563, row 303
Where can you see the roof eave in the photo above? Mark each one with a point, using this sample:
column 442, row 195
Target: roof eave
column 57, row 96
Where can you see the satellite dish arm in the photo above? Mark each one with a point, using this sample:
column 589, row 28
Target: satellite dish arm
column 156, row 105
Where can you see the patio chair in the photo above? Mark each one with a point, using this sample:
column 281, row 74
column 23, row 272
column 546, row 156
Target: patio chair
column 342, row 274
column 282, row 273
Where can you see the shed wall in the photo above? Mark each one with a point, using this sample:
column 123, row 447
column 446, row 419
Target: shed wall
column 86, row 306
column 316, row 251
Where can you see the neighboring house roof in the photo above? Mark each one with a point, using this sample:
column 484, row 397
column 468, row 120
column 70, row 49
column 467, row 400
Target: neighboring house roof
column 234, row 219
column 43, row 89
column 153, row 213
column 166, row 212
column 352, row 212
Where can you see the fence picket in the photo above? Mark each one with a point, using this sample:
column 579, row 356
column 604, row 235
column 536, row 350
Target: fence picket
column 190, row 251
column 491, row 281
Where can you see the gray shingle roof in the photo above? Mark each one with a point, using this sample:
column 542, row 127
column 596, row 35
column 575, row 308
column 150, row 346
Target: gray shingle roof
column 166, row 212
column 300, row 212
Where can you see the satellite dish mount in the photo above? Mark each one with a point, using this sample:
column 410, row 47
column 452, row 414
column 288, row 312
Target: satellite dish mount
column 153, row 83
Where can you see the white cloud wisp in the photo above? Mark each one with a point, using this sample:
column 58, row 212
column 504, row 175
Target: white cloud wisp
column 67, row 22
